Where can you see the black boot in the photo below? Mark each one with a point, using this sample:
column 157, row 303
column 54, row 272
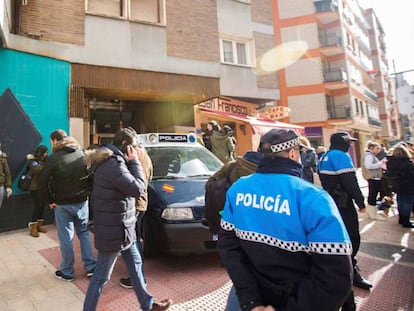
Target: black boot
column 405, row 222
column 359, row 281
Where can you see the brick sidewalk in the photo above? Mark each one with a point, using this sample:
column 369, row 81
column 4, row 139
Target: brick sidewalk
column 194, row 282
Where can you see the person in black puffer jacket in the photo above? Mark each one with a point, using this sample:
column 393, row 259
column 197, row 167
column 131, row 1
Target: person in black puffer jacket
column 63, row 186
column 118, row 179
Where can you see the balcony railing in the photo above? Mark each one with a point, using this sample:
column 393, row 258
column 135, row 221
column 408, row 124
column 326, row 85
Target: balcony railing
column 330, row 39
column 339, row 111
column 326, row 6
column 373, row 121
column 368, row 93
column 335, row 75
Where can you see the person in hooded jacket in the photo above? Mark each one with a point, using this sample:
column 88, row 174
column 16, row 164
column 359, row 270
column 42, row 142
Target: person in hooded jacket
column 35, row 165
column 118, row 179
column 63, row 186
column 401, row 164
column 222, row 145
column 229, row 131
column 282, row 239
column 5, row 177
column 338, row 178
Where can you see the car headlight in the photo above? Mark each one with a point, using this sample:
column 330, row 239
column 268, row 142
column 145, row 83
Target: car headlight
column 177, row 213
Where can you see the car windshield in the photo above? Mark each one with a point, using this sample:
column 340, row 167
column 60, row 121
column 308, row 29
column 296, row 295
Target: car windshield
column 182, row 162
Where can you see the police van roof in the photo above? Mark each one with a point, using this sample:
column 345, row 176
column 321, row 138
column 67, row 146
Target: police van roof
column 152, row 139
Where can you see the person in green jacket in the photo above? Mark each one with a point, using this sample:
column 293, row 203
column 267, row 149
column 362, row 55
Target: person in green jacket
column 5, row 177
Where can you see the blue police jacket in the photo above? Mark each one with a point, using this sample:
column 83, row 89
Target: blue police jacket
column 283, row 241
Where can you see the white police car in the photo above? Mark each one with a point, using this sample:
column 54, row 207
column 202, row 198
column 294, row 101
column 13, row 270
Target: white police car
column 175, row 220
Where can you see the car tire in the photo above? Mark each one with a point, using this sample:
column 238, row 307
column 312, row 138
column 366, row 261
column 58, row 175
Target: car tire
column 149, row 245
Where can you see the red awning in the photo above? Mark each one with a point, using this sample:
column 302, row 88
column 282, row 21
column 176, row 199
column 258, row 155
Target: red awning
column 259, row 126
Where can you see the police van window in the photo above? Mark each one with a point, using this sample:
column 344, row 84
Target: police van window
column 181, row 162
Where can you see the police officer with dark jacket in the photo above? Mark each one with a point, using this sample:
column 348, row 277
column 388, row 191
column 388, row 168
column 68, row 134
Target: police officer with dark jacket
column 337, row 175
column 282, row 239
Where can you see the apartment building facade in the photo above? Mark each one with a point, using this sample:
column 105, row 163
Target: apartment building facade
column 405, row 97
column 341, row 82
column 92, row 66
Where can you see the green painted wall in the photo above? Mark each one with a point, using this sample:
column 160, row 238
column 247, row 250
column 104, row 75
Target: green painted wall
column 41, row 86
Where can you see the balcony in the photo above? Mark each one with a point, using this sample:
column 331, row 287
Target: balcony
column 335, row 75
column 368, row 93
column 326, row 6
column 327, row 11
column 330, row 39
column 374, row 121
column 338, row 111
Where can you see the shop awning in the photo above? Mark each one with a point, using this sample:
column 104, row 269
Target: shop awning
column 259, row 126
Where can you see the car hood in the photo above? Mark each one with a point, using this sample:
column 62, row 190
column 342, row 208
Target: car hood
column 179, row 192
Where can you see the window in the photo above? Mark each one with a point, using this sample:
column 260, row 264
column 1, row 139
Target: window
column 147, row 10
column 151, row 11
column 235, row 52
column 106, row 7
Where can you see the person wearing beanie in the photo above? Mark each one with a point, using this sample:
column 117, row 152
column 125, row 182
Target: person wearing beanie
column 282, row 239
column 338, row 178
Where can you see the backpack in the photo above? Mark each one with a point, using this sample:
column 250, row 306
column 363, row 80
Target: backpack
column 25, row 179
column 215, row 197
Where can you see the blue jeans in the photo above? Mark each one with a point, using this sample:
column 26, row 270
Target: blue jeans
column 71, row 217
column 2, row 193
column 233, row 301
column 405, row 204
column 104, row 266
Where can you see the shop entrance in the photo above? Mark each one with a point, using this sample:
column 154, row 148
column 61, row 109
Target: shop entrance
column 108, row 116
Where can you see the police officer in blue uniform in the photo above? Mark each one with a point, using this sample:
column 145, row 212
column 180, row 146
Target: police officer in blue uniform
column 337, row 175
column 282, row 239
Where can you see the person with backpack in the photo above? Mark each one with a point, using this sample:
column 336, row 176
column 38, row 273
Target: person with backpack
column 222, row 145
column 35, row 165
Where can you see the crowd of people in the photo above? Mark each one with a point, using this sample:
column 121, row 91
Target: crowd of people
column 291, row 246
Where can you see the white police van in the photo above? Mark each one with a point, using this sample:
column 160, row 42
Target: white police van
column 175, row 220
